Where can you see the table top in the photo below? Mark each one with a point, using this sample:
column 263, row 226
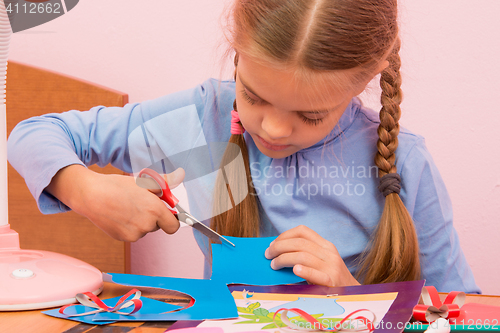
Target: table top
column 36, row 321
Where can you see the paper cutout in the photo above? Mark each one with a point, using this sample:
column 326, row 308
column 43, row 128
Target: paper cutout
column 246, row 264
column 148, row 306
column 212, row 298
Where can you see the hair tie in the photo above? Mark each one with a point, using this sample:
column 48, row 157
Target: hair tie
column 390, row 183
column 236, row 127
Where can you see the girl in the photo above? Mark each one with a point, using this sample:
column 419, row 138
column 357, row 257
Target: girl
column 322, row 171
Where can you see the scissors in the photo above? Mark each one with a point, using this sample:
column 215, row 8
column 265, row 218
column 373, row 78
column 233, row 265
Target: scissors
column 181, row 214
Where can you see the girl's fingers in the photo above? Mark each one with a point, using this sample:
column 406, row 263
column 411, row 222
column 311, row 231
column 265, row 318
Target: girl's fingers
column 312, row 257
column 306, row 266
column 313, row 276
column 279, row 247
column 331, row 272
column 306, row 233
column 166, row 220
column 323, row 249
column 167, row 223
column 297, row 258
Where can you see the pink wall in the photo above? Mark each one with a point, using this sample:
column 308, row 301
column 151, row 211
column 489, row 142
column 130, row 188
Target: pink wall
column 451, row 79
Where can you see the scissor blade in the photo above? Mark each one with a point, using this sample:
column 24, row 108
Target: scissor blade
column 210, row 233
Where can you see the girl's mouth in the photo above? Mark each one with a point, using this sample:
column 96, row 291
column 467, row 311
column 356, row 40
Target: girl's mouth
column 270, row 146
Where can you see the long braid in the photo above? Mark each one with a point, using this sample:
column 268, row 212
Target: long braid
column 394, row 250
column 388, row 130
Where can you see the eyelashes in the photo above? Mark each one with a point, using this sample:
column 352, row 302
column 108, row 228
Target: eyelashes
column 248, row 98
column 306, row 120
column 310, row 121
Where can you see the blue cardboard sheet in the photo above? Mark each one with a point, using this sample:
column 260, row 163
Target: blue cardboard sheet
column 246, row 264
column 243, row 264
column 212, row 298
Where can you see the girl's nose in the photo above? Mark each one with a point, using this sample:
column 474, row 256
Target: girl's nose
column 276, row 124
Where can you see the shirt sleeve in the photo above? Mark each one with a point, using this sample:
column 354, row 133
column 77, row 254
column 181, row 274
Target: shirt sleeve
column 41, row 146
column 426, row 198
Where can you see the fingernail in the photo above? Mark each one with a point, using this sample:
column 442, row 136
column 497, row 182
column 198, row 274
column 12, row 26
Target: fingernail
column 272, row 264
column 297, row 269
column 266, row 254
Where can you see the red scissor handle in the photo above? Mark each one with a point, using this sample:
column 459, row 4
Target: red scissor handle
column 166, row 194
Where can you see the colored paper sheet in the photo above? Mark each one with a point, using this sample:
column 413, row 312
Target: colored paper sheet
column 391, row 302
column 246, row 264
column 148, row 306
column 258, row 312
column 212, row 298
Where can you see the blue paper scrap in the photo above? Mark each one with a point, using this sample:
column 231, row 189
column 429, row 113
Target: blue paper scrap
column 246, row 264
column 212, row 298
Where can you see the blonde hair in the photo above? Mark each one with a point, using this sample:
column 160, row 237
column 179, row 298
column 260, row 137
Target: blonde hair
column 330, row 36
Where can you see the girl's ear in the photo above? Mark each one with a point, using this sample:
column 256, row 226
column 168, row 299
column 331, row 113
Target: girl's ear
column 383, row 65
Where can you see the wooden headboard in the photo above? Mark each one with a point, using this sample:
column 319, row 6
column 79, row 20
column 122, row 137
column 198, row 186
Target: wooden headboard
column 31, row 92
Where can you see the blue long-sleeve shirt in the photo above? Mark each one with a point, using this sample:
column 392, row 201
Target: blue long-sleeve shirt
column 330, row 187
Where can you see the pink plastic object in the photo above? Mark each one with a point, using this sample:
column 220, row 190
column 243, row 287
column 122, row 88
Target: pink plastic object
column 41, row 279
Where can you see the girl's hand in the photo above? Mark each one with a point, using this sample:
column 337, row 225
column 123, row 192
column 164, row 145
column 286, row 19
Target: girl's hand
column 115, row 203
column 312, row 257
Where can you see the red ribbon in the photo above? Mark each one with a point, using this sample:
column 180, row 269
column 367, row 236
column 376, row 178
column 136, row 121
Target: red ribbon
column 90, row 300
column 431, row 308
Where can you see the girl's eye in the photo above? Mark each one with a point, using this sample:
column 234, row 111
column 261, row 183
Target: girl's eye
column 311, row 121
column 249, row 99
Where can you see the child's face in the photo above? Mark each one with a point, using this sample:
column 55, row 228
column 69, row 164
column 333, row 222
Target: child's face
column 283, row 113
